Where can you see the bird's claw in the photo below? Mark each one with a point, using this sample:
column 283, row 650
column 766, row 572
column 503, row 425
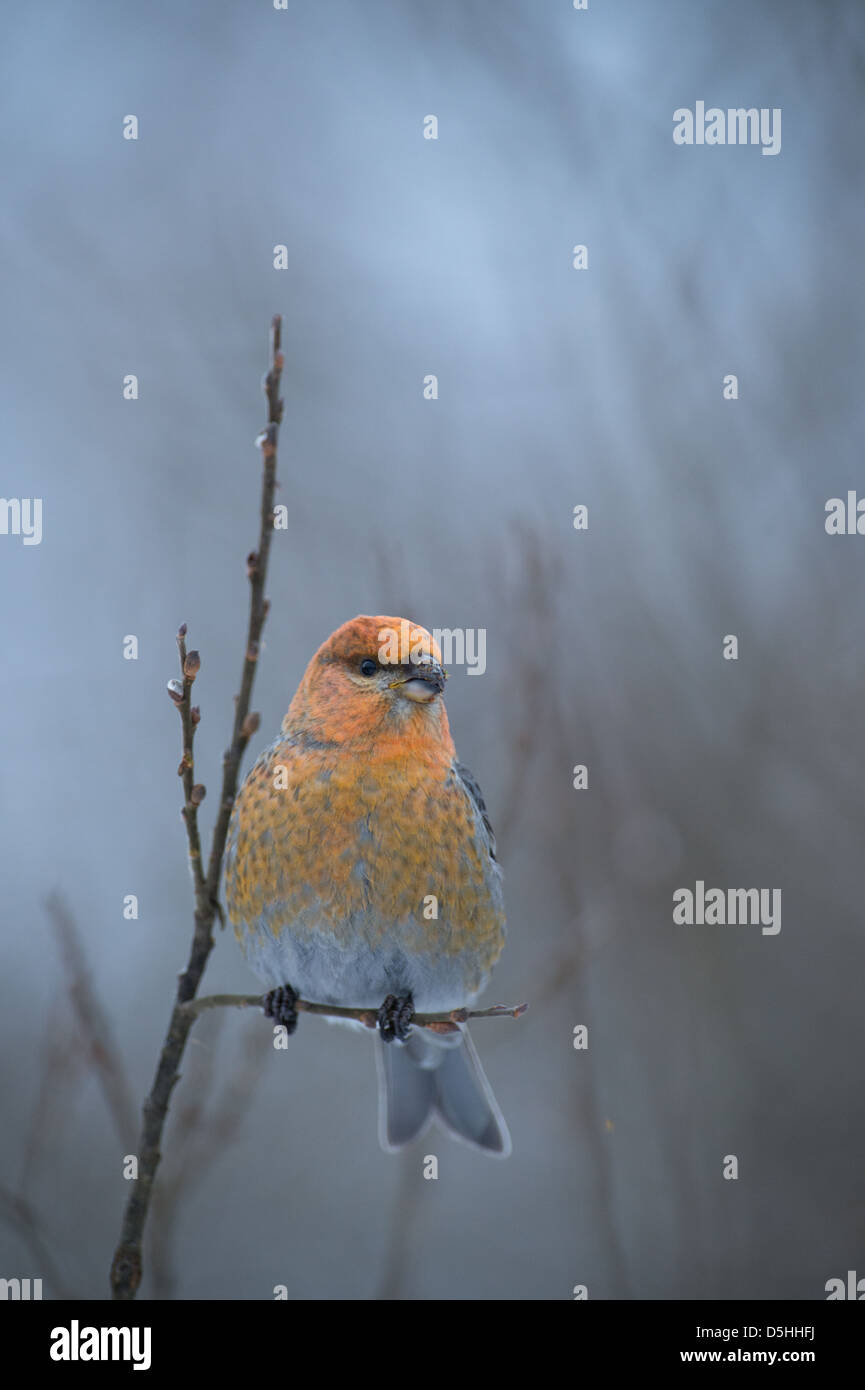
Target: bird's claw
column 395, row 1016
column 279, row 1004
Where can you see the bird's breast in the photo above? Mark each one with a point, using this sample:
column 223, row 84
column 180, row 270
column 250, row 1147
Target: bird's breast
column 333, row 847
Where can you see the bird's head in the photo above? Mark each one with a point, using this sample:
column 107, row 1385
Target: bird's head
column 375, row 677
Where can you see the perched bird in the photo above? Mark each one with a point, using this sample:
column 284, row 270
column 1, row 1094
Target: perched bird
column 361, row 871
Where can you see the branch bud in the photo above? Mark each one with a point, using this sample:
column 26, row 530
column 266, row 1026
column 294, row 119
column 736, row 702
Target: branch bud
column 266, row 440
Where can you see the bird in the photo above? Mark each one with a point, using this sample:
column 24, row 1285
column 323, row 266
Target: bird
column 361, row 871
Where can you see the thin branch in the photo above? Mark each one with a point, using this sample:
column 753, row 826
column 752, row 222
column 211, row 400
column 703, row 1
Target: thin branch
column 245, row 724
column 190, row 715
column 61, row 1062
column 92, row 1020
column 127, row 1263
column 17, row 1212
column 200, row 1137
column 442, row 1023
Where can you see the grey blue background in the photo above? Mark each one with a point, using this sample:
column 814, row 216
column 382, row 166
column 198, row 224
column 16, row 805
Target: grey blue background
column 602, row 387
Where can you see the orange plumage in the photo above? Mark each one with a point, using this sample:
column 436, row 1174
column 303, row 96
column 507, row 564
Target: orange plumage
column 361, row 863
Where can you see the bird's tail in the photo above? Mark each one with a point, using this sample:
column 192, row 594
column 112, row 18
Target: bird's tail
column 440, row 1077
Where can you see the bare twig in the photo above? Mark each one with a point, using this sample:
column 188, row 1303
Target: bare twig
column 61, row 1063
column 92, row 1020
column 127, row 1263
column 17, row 1213
column 202, row 1134
column 442, row 1023
column 190, row 664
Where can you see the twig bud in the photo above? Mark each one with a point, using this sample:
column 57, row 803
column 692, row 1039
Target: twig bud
column 197, row 795
column 250, row 724
column 266, row 440
column 252, row 652
column 181, row 631
column 175, row 690
column 192, row 665
column 195, row 715
column 252, row 563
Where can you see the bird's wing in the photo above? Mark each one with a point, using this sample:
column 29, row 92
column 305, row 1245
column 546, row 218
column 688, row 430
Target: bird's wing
column 470, row 783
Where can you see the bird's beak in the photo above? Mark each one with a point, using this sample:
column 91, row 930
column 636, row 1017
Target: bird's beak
column 421, row 680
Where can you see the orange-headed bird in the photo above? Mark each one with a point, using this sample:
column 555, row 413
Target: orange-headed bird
column 361, row 871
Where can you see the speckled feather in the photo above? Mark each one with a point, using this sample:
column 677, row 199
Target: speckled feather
column 355, row 814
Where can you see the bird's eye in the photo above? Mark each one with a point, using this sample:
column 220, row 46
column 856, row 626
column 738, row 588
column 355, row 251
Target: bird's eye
column 368, row 667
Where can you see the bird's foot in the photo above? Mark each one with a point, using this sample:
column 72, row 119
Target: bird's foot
column 395, row 1016
column 279, row 1004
